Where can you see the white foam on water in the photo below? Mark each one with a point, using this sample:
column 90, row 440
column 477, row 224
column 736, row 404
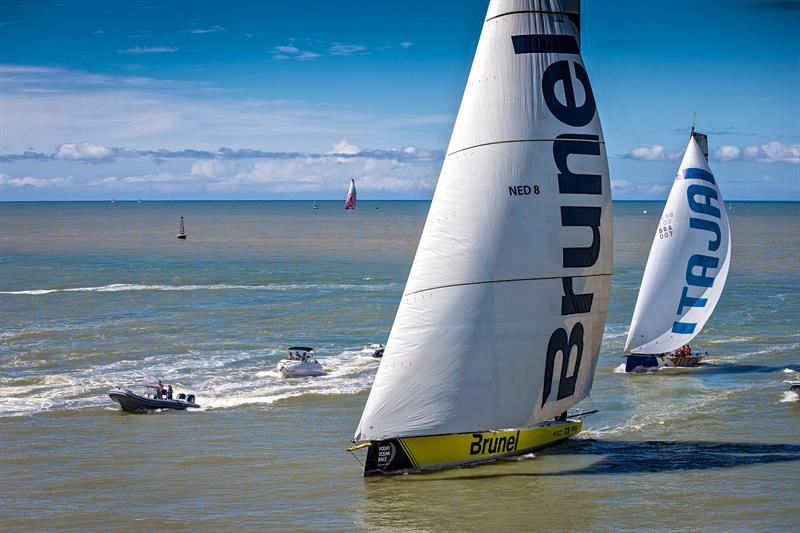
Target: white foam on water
column 789, row 397
column 620, row 369
column 219, row 380
column 790, row 371
column 661, row 415
column 122, row 287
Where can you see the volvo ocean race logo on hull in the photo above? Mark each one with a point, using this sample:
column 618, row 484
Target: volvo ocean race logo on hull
column 386, row 453
column 558, row 88
column 704, row 218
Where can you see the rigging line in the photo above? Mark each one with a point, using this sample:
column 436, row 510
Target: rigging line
column 501, row 281
column 355, row 457
column 523, row 141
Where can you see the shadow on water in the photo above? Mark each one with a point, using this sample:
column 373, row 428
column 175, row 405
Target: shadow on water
column 715, row 368
column 638, row 457
column 732, row 368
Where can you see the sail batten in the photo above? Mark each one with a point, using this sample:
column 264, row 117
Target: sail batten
column 503, row 312
column 688, row 262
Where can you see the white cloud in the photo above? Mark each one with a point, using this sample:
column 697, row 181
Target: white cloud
column 344, row 147
column 779, row 152
column 208, row 168
column 339, row 49
column 164, row 177
column 406, row 44
column 327, row 174
column 409, row 150
column 290, row 51
column 148, row 50
column 772, row 152
column 212, row 29
column 655, row 152
column 728, row 153
column 38, row 183
column 621, row 184
column 82, row 152
column 307, row 56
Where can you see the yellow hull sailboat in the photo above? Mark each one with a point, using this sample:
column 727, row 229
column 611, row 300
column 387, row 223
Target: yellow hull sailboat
column 499, row 327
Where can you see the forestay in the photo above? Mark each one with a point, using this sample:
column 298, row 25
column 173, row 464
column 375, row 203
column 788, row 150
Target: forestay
column 503, row 313
column 688, row 262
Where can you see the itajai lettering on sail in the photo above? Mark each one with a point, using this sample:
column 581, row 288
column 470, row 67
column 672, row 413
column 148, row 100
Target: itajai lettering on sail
column 701, row 200
column 563, row 74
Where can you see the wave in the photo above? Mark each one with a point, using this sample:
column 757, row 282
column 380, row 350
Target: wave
column 120, row 287
column 790, row 397
column 220, row 380
column 661, row 415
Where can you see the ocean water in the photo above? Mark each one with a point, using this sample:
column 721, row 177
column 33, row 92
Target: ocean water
column 94, row 295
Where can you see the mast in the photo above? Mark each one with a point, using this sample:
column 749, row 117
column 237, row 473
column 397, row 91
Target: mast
column 502, row 316
column 688, row 262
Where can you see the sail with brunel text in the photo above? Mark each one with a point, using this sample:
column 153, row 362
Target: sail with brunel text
column 688, row 262
column 502, row 316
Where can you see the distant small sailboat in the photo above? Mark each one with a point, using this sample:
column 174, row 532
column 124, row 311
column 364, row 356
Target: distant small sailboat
column 686, row 269
column 315, row 206
column 181, row 230
column 350, row 202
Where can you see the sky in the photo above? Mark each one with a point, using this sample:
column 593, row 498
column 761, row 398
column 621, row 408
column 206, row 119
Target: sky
column 289, row 100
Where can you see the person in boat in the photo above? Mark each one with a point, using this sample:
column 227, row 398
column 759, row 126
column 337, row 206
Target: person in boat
column 159, row 390
column 169, row 392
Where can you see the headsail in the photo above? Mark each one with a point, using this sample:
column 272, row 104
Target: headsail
column 350, row 202
column 688, row 262
column 503, row 313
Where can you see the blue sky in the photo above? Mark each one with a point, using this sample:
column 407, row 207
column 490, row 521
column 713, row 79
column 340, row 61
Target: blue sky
column 211, row 100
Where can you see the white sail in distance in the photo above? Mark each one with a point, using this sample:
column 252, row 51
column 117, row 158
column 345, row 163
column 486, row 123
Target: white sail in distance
column 688, row 262
column 350, row 201
column 502, row 316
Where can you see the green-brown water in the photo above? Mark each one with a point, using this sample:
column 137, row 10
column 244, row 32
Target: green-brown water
column 714, row 449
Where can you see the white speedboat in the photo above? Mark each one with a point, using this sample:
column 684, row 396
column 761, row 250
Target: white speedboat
column 300, row 363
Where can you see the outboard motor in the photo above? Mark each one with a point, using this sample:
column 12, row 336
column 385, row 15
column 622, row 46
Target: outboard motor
column 190, row 398
column 181, row 396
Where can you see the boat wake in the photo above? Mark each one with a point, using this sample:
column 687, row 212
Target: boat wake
column 219, row 380
column 121, row 287
column 790, row 397
column 663, row 415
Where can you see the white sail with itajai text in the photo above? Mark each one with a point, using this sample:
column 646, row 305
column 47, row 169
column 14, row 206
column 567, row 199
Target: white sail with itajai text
column 502, row 316
column 688, row 262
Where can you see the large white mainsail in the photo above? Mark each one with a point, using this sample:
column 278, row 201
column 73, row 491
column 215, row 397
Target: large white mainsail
column 503, row 313
column 688, row 262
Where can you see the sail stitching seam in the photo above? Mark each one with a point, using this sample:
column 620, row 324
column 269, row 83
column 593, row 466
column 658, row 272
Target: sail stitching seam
column 502, row 281
column 522, row 141
column 528, row 11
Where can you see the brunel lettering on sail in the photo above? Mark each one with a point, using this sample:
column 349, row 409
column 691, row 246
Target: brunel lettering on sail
column 572, row 186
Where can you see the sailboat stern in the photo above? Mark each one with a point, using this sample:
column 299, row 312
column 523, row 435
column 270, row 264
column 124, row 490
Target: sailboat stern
column 415, row 454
